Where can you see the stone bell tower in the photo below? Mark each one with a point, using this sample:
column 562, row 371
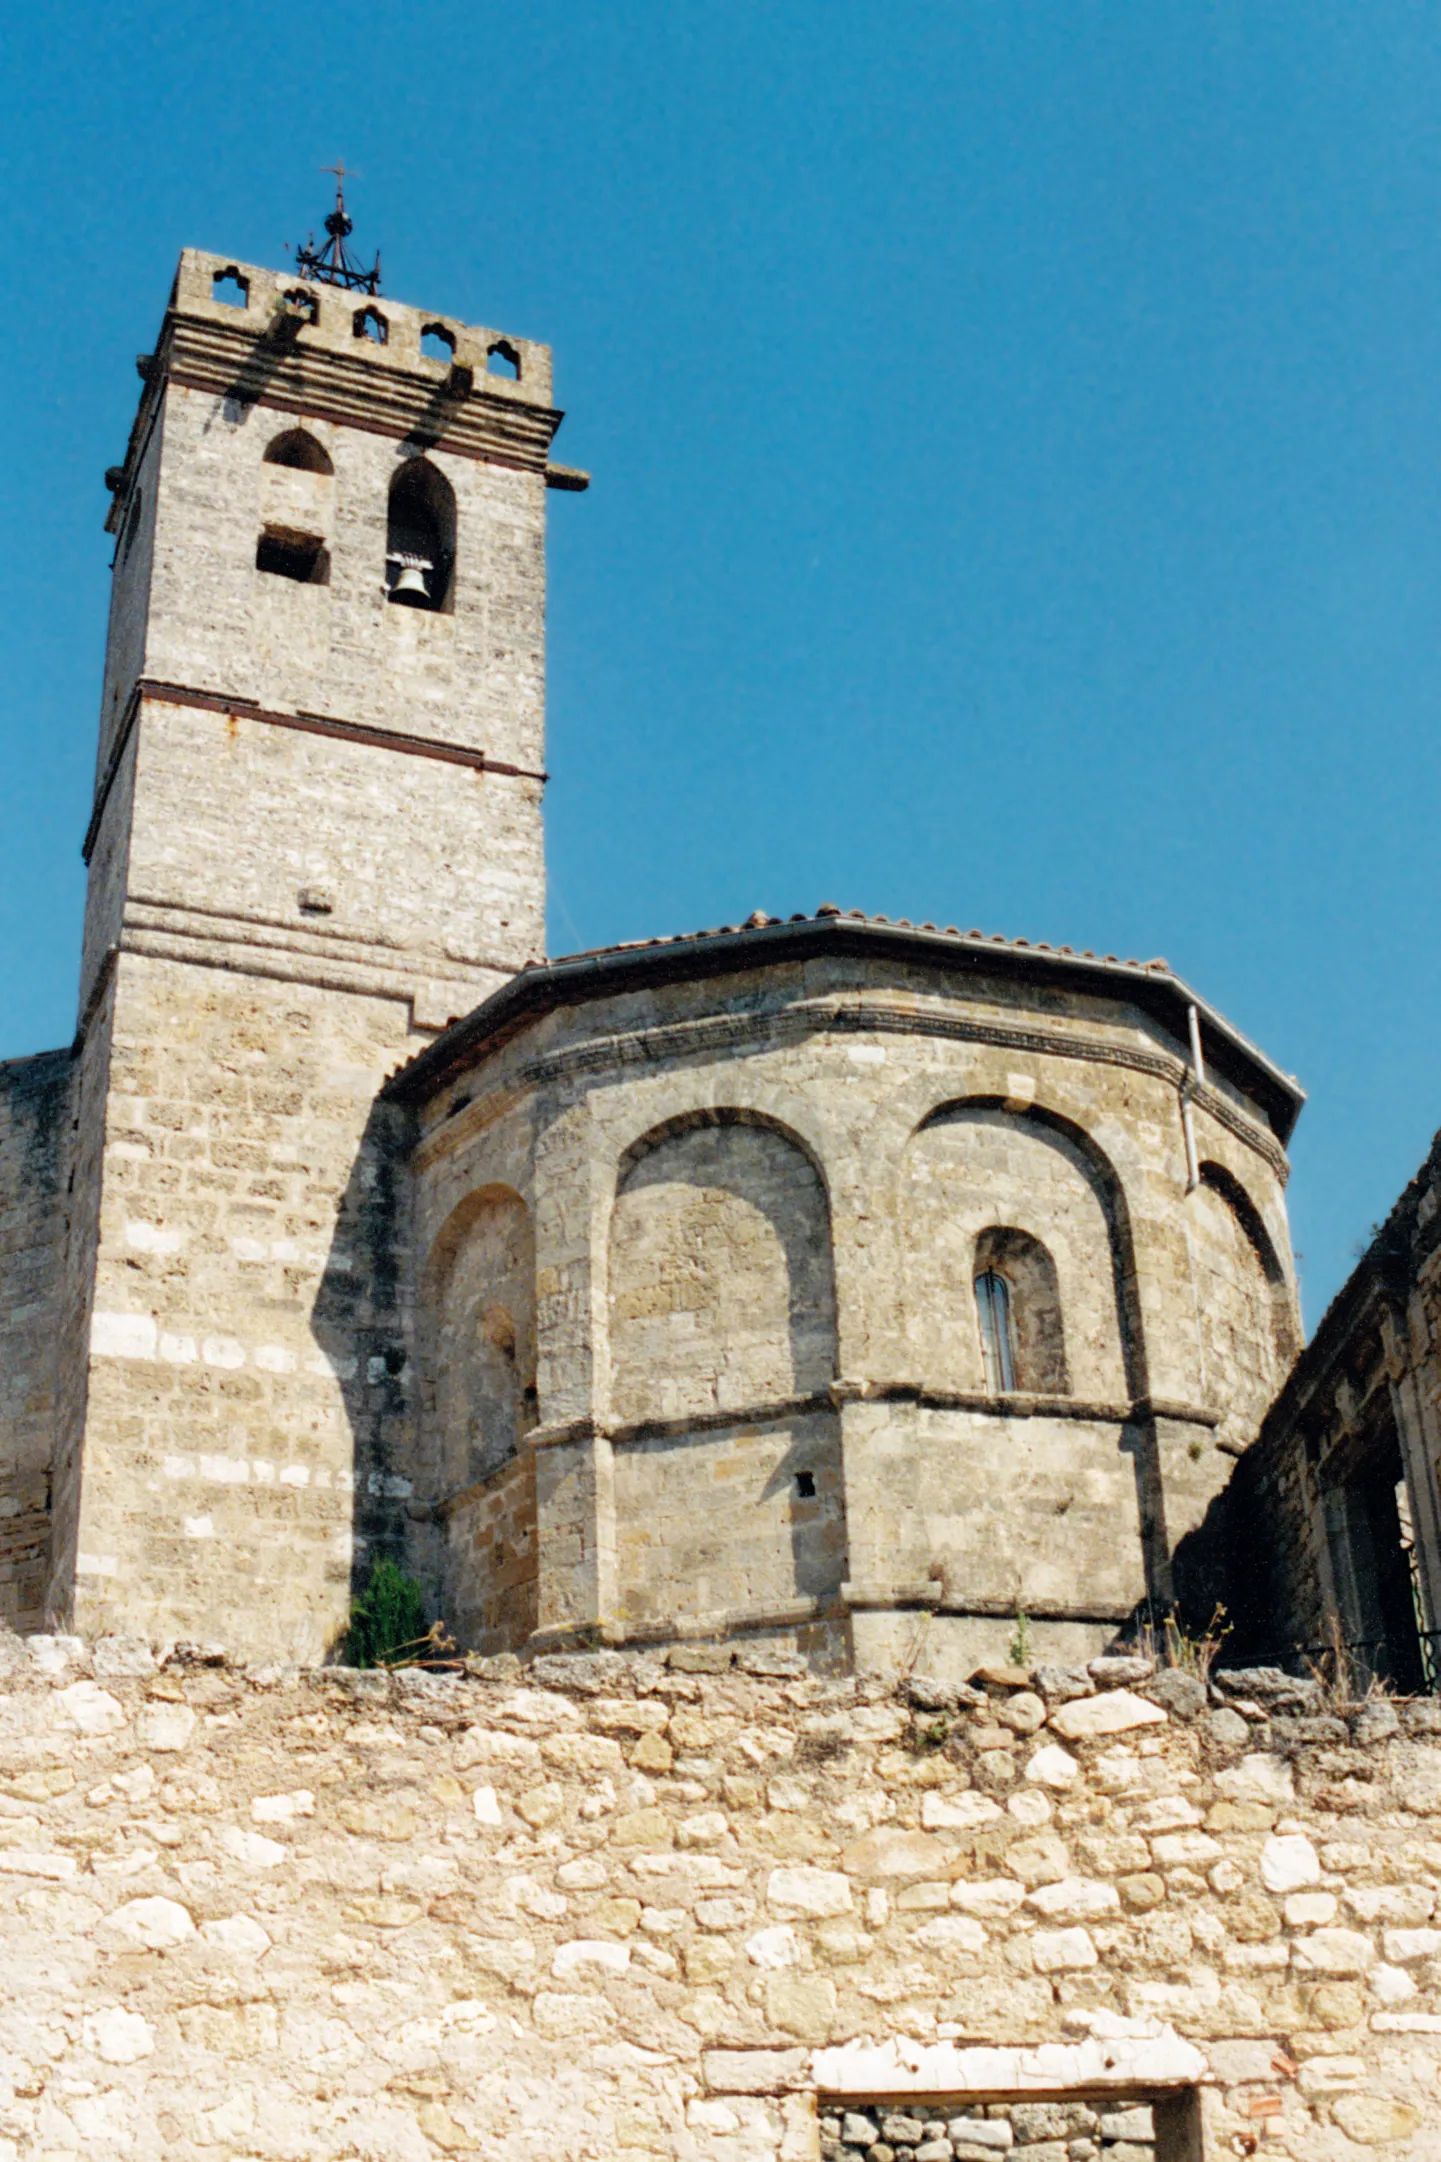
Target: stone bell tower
column 316, row 836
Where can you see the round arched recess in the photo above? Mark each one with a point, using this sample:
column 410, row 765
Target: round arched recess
column 720, row 1284
column 973, row 1165
column 478, row 1304
column 1245, row 1318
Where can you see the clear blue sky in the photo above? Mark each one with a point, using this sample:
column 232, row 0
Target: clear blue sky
column 1017, row 444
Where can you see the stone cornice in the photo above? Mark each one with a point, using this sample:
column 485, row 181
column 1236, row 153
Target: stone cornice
column 267, row 353
column 714, row 1035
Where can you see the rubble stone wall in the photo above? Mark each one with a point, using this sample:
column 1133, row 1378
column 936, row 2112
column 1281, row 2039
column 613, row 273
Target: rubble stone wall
column 684, row 1909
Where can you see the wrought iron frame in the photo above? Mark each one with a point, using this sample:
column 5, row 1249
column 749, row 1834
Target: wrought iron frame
column 333, row 264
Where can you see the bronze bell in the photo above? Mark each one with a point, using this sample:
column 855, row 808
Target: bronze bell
column 410, row 588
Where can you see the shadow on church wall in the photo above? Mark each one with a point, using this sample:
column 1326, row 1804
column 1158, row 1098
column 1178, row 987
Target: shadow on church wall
column 362, row 1320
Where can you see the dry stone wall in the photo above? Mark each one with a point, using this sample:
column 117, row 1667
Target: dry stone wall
column 710, row 1907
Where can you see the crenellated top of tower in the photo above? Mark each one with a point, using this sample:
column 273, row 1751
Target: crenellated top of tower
column 271, row 338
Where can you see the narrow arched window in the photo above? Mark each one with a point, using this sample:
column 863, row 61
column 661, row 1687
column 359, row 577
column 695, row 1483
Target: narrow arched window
column 1018, row 1300
column 420, row 537
column 998, row 1344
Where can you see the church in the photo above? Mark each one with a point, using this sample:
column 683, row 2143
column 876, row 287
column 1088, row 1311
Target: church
column 875, row 1290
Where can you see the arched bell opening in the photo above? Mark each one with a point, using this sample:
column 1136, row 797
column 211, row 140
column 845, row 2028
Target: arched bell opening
column 420, row 538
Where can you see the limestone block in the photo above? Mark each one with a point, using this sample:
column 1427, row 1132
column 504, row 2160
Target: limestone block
column 93, row 1709
column 584, row 1953
column 754, row 2071
column 1375, row 2120
column 991, row 1897
column 238, row 1934
column 1289, row 1862
column 155, row 1925
column 1074, row 1899
column 282, row 1808
column 1404, row 1946
column 1310, row 1910
column 958, row 1812
column 1259, row 1777
column 250, row 1849
column 1054, row 1767
column 1116, row 1712
column 120, row 2037
column 808, row 1892
column 52, row 1654
column 1038, row 1861
column 774, row 1948
column 891, row 1852
column 1022, row 1713
column 952, row 1933
column 1334, row 1951
column 1059, row 1951
column 801, row 2004
column 122, row 1655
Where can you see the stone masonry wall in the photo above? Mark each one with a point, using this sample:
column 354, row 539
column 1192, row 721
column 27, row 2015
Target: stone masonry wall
column 619, row 1907
column 35, row 1114
column 249, row 1386
column 758, row 1200
column 475, row 676
column 1371, row 1372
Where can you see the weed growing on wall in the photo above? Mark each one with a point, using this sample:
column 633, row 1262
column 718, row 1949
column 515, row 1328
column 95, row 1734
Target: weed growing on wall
column 387, row 1621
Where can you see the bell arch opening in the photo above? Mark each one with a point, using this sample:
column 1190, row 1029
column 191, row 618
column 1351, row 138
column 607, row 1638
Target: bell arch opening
column 420, row 539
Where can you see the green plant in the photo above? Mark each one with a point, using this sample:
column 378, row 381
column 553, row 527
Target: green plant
column 1022, row 1650
column 387, row 1621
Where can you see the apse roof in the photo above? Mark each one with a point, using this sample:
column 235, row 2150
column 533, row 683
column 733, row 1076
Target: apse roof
column 760, row 940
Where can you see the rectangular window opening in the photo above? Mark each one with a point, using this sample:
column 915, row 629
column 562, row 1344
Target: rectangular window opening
column 298, row 556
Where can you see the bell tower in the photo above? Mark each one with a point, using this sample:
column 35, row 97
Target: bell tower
column 316, row 836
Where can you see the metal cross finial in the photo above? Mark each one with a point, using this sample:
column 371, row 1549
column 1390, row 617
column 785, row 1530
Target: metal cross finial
column 331, row 264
